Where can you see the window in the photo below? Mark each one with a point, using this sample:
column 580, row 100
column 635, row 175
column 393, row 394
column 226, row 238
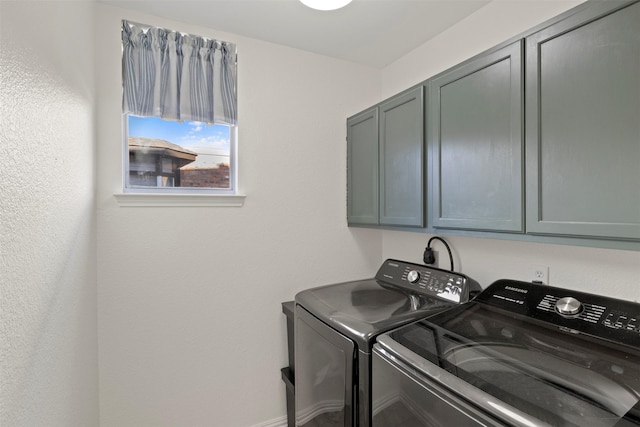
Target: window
column 189, row 154
column 179, row 106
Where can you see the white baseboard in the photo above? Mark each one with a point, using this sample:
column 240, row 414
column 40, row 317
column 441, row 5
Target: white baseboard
column 277, row 422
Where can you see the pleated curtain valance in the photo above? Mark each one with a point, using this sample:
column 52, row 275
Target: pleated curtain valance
column 178, row 76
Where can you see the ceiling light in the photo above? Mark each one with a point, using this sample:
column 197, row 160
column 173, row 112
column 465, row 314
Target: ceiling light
column 325, row 4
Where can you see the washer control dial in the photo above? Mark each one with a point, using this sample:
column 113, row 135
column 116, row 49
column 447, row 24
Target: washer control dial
column 413, row 276
column 568, row 306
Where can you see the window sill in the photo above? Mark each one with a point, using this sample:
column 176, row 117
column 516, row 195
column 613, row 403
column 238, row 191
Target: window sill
column 179, row 200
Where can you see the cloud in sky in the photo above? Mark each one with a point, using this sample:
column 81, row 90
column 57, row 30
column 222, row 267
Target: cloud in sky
column 195, row 127
column 194, row 136
column 212, row 143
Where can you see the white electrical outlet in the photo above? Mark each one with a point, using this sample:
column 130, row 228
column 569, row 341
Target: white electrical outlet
column 540, row 274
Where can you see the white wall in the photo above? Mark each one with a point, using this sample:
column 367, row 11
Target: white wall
column 190, row 324
column 610, row 272
column 48, row 342
column 601, row 271
column 491, row 25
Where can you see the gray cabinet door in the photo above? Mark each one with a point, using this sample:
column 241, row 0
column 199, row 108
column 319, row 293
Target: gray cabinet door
column 362, row 168
column 402, row 160
column 476, row 143
column 583, row 125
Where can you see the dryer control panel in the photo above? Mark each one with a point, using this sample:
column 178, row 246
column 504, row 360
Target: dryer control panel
column 435, row 282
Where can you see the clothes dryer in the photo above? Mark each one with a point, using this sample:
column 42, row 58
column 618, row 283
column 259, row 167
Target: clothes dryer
column 336, row 326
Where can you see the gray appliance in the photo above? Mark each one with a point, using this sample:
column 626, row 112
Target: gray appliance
column 519, row 354
column 335, row 328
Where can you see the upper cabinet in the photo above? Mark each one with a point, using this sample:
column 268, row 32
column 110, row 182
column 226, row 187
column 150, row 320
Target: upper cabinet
column 402, row 160
column 385, row 158
column 476, row 143
column 362, row 168
column 583, row 125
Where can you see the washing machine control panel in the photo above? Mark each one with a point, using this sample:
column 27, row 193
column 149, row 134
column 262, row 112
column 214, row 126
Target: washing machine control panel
column 571, row 311
column 443, row 284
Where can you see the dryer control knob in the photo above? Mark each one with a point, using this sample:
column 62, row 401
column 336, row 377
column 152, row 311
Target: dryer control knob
column 413, row 276
column 568, row 306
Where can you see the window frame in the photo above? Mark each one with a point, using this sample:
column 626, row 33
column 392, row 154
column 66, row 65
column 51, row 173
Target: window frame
column 181, row 196
column 233, row 169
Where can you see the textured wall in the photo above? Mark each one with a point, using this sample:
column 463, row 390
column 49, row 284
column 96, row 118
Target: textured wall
column 610, row 272
column 48, row 343
column 191, row 328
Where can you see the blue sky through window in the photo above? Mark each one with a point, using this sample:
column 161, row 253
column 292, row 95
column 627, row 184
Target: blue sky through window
column 211, row 142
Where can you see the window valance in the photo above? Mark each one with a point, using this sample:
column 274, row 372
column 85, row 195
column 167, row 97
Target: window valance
column 178, row 76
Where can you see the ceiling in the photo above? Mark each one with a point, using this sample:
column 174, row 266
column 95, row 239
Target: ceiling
column 369, row 32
